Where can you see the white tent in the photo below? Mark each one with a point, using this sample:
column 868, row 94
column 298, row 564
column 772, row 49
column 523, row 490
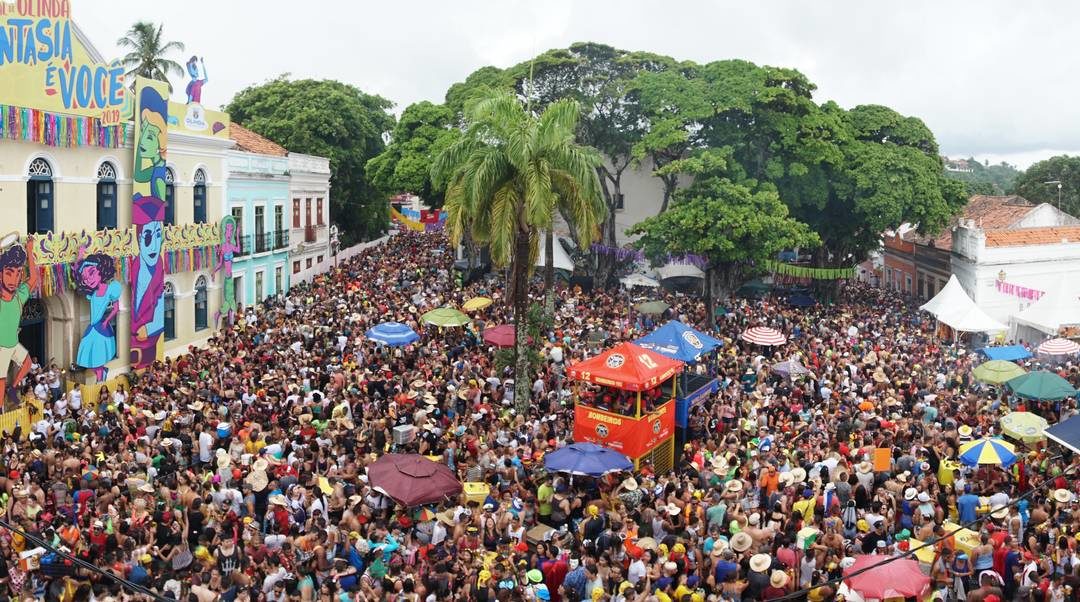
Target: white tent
column 559, row 257
column 1059, row 307
column 950, row 297
column 679, row 270
column 953, row 307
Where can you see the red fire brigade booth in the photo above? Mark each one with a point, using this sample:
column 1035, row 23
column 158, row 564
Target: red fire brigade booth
column 620, row 403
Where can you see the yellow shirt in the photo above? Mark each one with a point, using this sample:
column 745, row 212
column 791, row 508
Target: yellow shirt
column 806, row 509
column 681, row 591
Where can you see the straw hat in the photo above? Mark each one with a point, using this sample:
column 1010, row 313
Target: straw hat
column 1002, row 512
column 734, row 486
column 278, row 500
column 1062, row 496
column 260, row 465
column 646, row 543
column 964, row 431
column 864, row 467
column 672, row 509
column 798, row 474
column 630, row 484
column 741, row 541
column 778, row 579
column 784, row 479
column 759, row 563
column 146, row 488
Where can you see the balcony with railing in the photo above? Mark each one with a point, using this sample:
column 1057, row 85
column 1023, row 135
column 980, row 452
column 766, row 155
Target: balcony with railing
column 281, row 239
column 244, row 242
column 263, row 241
column 312, row 232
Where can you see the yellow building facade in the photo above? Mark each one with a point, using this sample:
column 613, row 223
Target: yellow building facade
column 67, row 170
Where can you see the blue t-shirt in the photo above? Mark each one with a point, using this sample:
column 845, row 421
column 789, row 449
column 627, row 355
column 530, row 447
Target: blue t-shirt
column 724, row 569
column 967, row 504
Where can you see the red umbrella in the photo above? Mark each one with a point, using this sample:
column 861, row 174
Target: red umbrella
column 879, row 577
column 412, row 479
column 500, row 336
column 764, row 336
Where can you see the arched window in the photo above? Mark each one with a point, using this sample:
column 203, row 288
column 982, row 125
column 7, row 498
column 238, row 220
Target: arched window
column 170, row 311
column 39, row 197
column 200, row 303
column 200, row 196
column 170, row 194
column 106, row 196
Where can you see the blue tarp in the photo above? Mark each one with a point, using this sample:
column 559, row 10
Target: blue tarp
column 1066, row 433
column 801, row 300
column 1008, row 353
column 678, row 341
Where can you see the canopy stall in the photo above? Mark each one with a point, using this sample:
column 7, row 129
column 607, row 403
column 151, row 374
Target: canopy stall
column 681, row 342
column 954, row 308
column 559, row 256
column 1066, row 433
column 1058, row 308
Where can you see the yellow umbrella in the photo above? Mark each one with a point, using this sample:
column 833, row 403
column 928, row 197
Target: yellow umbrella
column 1024, row 426
column 476, row 304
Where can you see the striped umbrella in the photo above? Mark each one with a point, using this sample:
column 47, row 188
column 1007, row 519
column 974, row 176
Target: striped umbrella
column 1059, row 347
column 763, row 335
column 988, row 451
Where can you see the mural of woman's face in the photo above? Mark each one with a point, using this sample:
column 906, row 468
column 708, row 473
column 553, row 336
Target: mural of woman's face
column 150, row 238
column 90, row 276
column 149, row 145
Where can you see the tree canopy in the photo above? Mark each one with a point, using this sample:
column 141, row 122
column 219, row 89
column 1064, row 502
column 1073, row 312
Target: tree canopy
column 734, row 226
column 1032, row 184
column 329, row 119
column 987, row 179
column 423, row 131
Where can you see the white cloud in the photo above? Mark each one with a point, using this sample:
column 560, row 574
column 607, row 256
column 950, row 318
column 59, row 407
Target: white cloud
column 991, row 78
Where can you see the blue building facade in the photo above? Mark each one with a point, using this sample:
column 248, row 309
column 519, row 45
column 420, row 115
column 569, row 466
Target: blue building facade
column 257, row 196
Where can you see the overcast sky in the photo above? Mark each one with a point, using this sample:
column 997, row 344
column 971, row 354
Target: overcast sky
column 996, row 79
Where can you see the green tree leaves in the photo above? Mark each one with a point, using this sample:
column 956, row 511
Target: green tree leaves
column 329, row 119
column 1063, row 168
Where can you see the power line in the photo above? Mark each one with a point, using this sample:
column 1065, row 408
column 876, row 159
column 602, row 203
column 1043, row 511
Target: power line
column 134, row 587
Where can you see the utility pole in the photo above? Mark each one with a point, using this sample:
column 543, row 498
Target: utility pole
column 1058, row 182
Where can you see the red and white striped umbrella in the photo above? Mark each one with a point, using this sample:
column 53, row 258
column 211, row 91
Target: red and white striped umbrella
column 763, row 335
column 1058, row 347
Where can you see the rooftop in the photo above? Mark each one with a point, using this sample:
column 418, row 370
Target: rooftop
column 248, row 141
column 987, row 211
column 1020, row 237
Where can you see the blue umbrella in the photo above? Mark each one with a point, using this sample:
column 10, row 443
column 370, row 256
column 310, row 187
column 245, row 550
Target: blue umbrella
column 394, row 334
column 586, row 459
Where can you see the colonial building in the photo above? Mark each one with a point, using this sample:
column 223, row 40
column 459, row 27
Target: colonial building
column 1007, row 270
column 312, row 242
column 258, row 198
column 921, row 265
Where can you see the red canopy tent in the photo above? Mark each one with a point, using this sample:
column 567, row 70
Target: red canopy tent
column 628, row 367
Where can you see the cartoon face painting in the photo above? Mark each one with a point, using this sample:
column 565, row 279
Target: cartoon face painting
column 94, row 278
column 150, row 148
column 150, row 238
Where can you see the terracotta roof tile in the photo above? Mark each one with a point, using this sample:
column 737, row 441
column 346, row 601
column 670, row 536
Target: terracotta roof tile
column 248, row 141
column 988, row 212
column 1032, row 236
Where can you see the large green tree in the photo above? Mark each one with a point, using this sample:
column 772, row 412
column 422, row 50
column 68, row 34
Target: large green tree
column 424, row 130
column 329, row 119
column 1032, row 184
column 985, row 178
column 505, row 178
column 733, row 226
column 147, row 53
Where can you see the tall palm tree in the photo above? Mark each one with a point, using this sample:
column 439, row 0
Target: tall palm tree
column 505, row 179
column 147, row 50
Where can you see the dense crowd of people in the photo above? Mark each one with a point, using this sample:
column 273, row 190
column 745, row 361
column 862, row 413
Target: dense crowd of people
column 237, row 472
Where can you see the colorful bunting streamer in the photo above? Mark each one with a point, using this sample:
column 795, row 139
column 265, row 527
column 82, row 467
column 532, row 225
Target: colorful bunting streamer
column 798, row 271
column 1023, row 292
column 58, row 278
column 54, row 129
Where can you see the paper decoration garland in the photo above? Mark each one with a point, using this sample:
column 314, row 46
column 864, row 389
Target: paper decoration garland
column 54, row 129
column 1023, row 292
column 798, row 271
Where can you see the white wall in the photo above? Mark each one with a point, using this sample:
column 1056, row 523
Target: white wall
column 1040, row 267
column 1045, row 215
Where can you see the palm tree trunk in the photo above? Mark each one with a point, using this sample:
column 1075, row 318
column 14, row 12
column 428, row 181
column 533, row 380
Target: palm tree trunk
column 549, row 274
column 522, row 373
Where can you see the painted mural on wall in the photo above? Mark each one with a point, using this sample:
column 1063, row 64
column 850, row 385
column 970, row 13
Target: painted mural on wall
column 148, row 214
column 14, row 293
column 95, row 279
column 44, row 66
column 196, row 69
column 226, row 251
